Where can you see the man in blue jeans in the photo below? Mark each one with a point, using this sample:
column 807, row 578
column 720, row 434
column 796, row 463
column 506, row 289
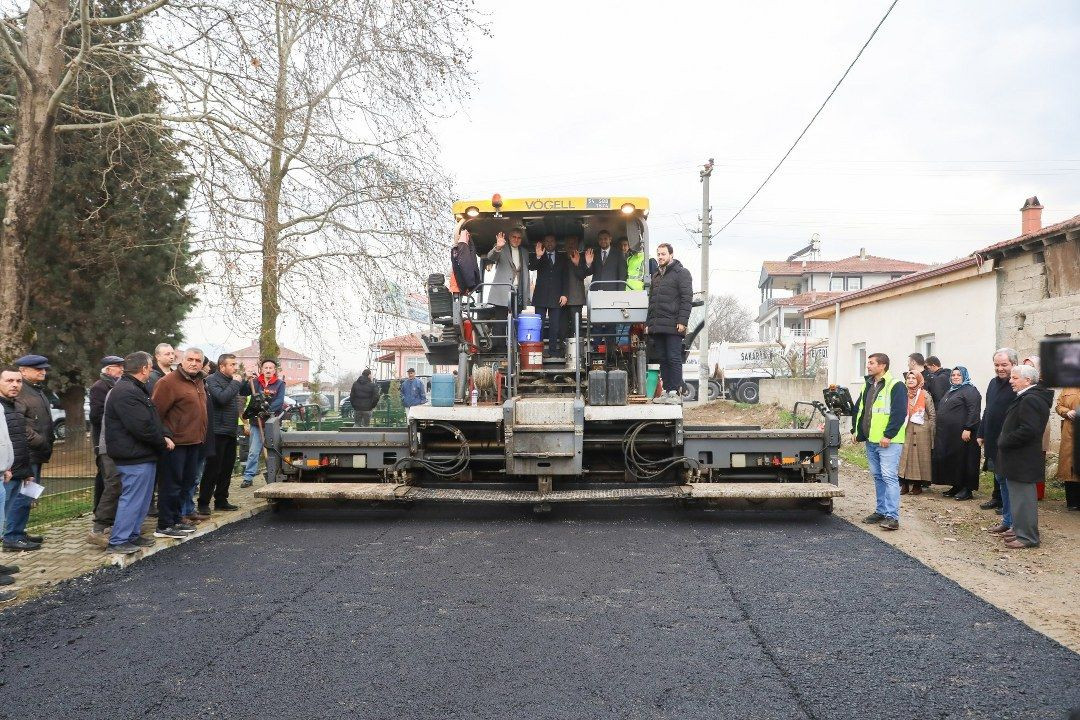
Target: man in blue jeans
column 269, row 387
column 880, row 421
column 24, row 440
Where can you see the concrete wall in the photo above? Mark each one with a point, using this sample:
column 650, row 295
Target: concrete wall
column 786, row 392
column 962, row 316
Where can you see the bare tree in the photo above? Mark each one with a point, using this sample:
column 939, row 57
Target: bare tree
column 321, row 189
column 729, row 320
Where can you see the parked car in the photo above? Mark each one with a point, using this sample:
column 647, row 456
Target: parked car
column 305, row 398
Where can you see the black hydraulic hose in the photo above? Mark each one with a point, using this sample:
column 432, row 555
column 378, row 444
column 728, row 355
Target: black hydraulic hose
column 442, row 468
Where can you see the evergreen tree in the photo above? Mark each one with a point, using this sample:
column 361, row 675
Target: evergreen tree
column 110, row 268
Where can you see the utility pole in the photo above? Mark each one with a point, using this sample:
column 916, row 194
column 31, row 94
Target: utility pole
column 706, row 240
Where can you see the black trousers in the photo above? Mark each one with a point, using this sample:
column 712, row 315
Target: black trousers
column 669, row 350
column 176, row 470
column 555, row 327
column 99, row 480
column 218, row 472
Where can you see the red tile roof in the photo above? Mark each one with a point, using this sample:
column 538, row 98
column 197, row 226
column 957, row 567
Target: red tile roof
column 1063, row 226
column 934, row 271
column 807, row 298
column 401, row 342
column 284, row 353
column 853, row 264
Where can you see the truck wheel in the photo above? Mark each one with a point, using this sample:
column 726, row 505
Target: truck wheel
column 747, row 392
column 689, row 392
column 715, row 391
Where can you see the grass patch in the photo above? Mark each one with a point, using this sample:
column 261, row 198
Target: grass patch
column 854, row 455
column 61, row 506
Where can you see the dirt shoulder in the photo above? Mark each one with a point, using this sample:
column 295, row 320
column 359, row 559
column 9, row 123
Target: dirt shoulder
column 1039, row 587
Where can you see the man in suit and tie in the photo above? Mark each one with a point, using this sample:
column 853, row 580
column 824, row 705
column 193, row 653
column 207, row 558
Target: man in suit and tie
column 549, row 294
column 608, row 267
column 511, row 266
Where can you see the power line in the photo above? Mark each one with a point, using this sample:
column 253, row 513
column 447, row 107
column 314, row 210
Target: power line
column 815, row 117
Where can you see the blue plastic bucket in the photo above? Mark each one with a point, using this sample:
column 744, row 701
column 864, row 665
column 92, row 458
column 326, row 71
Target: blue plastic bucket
column 528, row 327
column 442, row 390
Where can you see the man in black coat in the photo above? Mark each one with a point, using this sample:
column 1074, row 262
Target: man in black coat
column 999, row 395
column 164, row 358
column 107, row 482
column 224, row 421
column 670, row 299
column 364, row 396
column 1020, row 456
column 607, row 265
column 549, row 293
column 25, row 440
column 135, row 438
column 37, row 402
column 937, row 379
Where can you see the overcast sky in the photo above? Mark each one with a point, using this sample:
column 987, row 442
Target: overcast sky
column 955, row 113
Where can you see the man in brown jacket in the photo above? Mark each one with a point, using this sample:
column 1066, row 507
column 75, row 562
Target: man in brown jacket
column 180, row 398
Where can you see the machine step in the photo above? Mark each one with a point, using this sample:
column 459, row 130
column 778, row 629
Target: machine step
column 532, row 496
column 762, row 490
column 332, row 491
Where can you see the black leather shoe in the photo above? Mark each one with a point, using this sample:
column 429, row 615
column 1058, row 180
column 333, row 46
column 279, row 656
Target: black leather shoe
column 990, row 504
column 39, row 539
column 226, row 506
column 17, row 545
column 951, row 492
column 8, row 569
column 964, row 494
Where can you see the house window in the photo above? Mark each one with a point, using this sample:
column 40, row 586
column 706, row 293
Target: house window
column 927, row 345
column 419, row 364
column 836, row 283
column 854, row 283
column 859, row 358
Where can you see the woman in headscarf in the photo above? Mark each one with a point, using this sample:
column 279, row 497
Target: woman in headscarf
column 915, row 459
column 956, row 454
column 1040, row 488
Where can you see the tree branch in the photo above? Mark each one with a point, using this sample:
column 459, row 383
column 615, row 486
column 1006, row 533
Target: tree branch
column 119, row 19
column 14, row 53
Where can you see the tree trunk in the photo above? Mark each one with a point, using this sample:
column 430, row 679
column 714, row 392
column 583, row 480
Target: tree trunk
column 32, row 165
column 271, row 265
column 72, row 400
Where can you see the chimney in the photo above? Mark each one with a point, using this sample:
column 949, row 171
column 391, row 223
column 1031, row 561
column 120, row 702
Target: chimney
column 1031, row 216
column 862, row 253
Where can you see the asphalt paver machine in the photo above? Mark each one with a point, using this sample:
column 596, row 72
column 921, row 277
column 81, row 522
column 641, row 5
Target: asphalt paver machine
column 538, row 428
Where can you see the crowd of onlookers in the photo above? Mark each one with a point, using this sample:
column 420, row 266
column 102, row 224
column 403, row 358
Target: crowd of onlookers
column 931, row 426
column 164, row 440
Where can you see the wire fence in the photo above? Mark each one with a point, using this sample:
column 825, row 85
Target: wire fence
column 68, row 478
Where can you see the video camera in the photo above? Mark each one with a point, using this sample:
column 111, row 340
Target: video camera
column 1059, row 359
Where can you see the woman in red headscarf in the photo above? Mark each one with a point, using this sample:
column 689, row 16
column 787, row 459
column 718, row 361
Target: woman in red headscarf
column 915, row 458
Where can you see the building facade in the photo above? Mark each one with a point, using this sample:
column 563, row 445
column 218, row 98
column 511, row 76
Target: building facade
column 294, row 367
column 790, row 286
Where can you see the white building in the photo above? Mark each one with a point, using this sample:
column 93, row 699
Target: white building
column 1009, row 294
column 789, row 286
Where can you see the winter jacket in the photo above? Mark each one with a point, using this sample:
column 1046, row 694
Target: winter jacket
column 39, row 409
column 998, row 398
column 225, row 395
column 98, row 392
column 552, row 278
column 181, row 403
column 937, row 384
column 24, row 439
column 131, row 425
column 1020, row 453
column 412, row 392
column 7, row 454
column 898, row 404
column 273, row 389
column 465, row 266
column 670, row 299
column 364, row 395
column 155, row 375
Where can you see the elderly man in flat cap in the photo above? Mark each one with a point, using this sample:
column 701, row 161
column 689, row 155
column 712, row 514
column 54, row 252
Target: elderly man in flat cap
column 107, row 486
column 34, row 396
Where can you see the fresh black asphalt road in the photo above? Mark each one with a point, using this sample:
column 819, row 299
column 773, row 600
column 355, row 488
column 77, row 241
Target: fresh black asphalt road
column 465, row 612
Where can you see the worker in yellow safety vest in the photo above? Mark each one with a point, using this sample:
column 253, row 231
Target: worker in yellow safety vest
column 880, row 420
column 635, row 266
